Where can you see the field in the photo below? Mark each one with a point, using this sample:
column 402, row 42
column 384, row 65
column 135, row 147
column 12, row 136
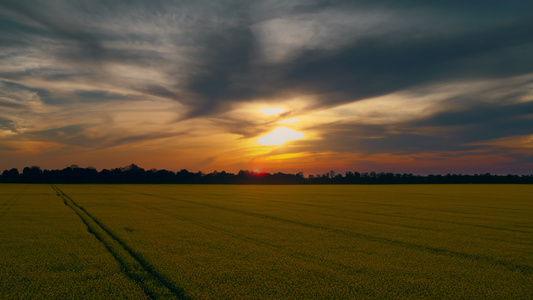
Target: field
column 275, row 242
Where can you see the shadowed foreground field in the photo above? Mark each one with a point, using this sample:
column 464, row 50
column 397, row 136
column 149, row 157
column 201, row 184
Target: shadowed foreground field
column 227, row 241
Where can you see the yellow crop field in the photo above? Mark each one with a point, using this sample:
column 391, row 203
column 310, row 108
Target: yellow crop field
column 266, row 241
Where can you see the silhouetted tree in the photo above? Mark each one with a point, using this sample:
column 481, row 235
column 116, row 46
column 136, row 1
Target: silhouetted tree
column 136, row 174
column 32, row 174
column 11, row 175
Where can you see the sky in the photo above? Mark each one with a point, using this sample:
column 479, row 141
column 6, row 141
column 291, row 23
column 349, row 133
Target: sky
column 423, row 87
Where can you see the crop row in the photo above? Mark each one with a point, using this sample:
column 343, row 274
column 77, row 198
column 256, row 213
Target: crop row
column 526, row 269
column 6, row 206
column 46, row 251
column 324, row 242
column 134, row 266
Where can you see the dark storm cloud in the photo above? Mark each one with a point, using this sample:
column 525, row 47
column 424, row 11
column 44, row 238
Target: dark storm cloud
column 140, row 138
column 55, row 24
column 245, row 128
column 374, row 67
column 74, row 135
column 5, row 123
column 212, row 56
column 83, row 96
column 93, row 96
column 69, row 31
column 480, row 114
column 46, row 74
column 437, row 41
column 495, row 42
column 5, row 103
column 479, row 123
column 362, row 138
column 44, row 95
column 64, row 133
column 159, row 91
column 226, row 53
column 459, row 130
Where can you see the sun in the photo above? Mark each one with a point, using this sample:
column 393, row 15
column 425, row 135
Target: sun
column 280, row 136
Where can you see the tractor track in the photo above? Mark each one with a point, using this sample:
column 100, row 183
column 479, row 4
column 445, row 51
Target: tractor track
column 321, row 262
column 523, row 268
column 134, row 266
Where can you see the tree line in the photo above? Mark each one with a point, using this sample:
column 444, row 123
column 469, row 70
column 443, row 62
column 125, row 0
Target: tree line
column 136, row 174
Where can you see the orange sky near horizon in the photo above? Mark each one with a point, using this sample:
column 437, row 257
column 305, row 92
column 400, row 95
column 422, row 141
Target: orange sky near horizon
column 205, row 147
column 288, row 86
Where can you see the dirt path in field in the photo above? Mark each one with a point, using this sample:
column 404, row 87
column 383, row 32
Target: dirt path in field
column 138, row 269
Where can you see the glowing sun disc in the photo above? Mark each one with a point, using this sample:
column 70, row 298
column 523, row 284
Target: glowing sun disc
column 280, row 136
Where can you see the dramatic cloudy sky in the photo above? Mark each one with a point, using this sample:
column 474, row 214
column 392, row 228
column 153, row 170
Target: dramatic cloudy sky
column 401, row 86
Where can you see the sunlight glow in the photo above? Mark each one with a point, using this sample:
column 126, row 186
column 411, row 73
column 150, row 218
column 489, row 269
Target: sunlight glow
column 289, row 121
column 284, row 156
column 271, row 111
column 279, row 136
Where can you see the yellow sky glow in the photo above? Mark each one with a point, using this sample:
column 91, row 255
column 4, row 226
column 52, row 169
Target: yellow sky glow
column 271, row 111
column 289, row 121
column 280, row 136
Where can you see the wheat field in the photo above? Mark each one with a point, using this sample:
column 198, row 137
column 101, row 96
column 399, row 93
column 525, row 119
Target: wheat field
column 266, row 242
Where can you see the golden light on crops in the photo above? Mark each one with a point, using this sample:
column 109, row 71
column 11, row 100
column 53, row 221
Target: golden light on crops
column 280, row 136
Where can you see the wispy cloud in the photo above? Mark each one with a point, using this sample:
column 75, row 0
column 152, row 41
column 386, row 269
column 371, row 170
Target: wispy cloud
column 363, row 77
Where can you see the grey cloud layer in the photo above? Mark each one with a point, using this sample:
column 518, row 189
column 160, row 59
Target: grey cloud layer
column 351, row 49
column 215, row 54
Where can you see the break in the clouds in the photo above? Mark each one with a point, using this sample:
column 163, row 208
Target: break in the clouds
column 443, row 86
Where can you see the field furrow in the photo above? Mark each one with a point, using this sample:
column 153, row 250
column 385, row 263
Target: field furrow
column 323, row 262
column 47, row 253
column 396, row 216
column 134, row 266
column 527, row 269
column 301, row 242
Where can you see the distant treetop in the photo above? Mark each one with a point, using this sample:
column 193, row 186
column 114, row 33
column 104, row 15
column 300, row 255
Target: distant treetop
column 136, row 174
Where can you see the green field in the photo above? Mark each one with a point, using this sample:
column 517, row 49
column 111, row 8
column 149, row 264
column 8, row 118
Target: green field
column 273, row 242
